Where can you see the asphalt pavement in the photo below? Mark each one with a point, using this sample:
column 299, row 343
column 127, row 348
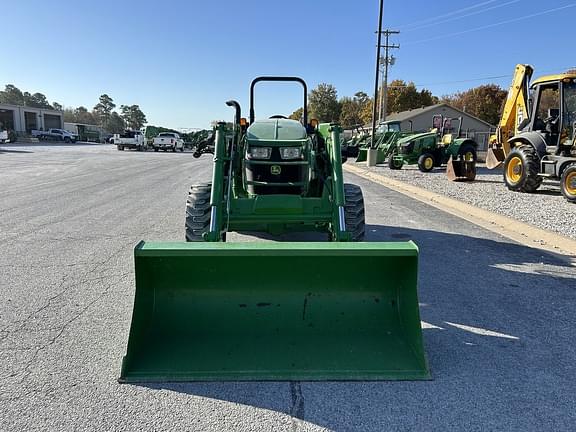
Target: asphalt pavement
column 498, row 317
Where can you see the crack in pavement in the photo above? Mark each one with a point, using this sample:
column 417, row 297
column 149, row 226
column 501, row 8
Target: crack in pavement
column 26, row 371
column 297, row 408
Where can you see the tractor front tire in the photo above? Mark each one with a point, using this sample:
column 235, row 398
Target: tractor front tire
column 521, row 169
column 198, row 212
column 568, row 183
column 394, row 164
column 467, row 153
column 354, row 214
column 426, row 162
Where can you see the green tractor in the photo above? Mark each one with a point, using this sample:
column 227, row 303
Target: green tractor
column 208, row 309
column 438, row 147
column 387, row 134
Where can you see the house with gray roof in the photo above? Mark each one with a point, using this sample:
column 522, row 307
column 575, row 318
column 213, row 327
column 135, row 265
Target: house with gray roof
column 421, row 120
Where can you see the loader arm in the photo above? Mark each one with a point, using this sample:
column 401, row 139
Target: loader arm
column 516, row 110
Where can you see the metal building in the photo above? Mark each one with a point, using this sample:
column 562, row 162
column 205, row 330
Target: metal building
column 24, row 119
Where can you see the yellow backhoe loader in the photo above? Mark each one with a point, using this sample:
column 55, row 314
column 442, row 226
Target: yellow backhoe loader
column 536, row 136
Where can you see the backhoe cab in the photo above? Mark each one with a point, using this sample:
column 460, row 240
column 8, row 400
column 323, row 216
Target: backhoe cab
column 536, row 137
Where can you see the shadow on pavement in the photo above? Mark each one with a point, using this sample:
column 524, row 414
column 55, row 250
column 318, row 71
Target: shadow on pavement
column 498, row 325
column 5, row 150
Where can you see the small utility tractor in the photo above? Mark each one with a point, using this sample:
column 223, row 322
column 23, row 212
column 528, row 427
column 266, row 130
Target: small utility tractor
column 387, row 134
column 536, row 136
column 438, row 147
column 356, row 141
column 211, row 309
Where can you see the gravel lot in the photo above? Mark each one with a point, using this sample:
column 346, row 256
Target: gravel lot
column 499, row 317
column 546, row 209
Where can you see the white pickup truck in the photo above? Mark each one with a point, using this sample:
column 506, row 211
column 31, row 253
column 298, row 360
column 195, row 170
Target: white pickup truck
column 168, row 141
column 56, row 135
column 130, row 139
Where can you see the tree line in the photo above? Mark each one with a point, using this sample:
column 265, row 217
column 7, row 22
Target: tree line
column 485, row 102
column 102, row 114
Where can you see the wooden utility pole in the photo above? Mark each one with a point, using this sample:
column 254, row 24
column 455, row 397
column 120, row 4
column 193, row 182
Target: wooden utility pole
column 378, row 45
column 388, row 60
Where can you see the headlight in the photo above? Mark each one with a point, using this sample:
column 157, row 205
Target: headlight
column 259, row 152
column 290, row 152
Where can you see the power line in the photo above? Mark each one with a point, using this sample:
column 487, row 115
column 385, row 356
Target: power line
column 491, row 25
column 462, row 16
column 427, row 20
column 456, row 82
column 509, row 76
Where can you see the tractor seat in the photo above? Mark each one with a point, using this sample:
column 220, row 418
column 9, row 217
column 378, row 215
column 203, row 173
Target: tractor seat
column 552, row 121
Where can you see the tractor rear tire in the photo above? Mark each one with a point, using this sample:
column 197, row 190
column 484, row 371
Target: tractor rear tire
column 568, row 183
column 198, row 212
column 521, row 169
column 354, row 214
column 426, row 162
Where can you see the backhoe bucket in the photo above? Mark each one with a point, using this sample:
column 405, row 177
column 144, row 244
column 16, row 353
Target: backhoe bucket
column 460, row 170
column 494, row 157
column 275, row 311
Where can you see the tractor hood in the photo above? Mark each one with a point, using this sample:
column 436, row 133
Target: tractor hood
column 415, row 137
column 276, row 129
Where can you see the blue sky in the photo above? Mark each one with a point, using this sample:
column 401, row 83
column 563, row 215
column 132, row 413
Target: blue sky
column 181, row 60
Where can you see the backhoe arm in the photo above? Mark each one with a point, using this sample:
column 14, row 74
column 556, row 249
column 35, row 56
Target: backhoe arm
column 515, row 111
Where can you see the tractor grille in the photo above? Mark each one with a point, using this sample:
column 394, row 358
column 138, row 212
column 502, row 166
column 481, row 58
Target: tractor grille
column 272, row 181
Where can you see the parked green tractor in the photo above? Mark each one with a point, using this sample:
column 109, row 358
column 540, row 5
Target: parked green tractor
column 208, row 309
column 387, row 134
column 436, row 148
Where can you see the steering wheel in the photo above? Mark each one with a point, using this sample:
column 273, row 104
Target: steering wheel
column 278, row 116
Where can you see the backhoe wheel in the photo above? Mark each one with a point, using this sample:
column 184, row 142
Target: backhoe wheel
column 426, row 162
column 521, row 169
column 394, row 164
column 354, row 211
column 568, row 183
column 198, row 212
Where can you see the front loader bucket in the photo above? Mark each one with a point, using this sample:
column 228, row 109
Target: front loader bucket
column 275, row 311
column 460, row 170
column 494, row 157
column 362, row 155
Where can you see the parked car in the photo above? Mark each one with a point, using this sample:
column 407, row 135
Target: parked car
column 168, row 141
column 56, row 135
column 130, row 139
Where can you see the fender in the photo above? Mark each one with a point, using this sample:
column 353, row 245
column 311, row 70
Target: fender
column 534, row 139
column 462, row 141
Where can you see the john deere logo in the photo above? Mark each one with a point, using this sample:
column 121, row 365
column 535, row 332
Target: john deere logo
column 275, row 169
